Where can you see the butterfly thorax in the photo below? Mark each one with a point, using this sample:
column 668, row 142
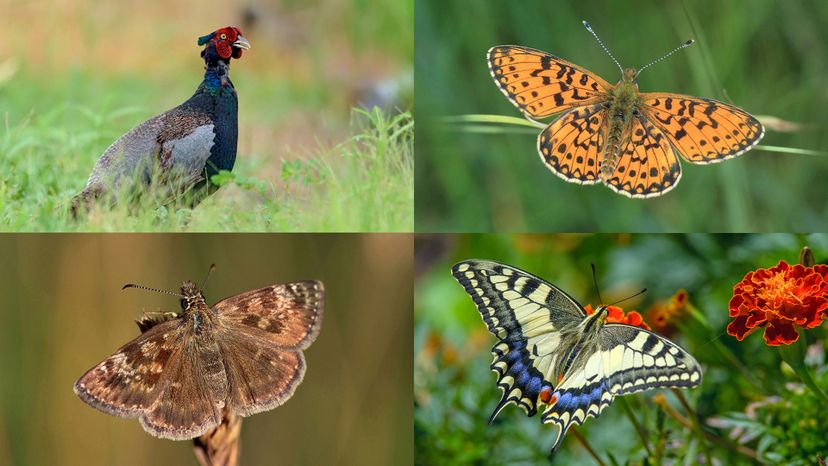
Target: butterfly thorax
column 578, row 343
column 622, row 106
column 196, row 311
column 202, row 319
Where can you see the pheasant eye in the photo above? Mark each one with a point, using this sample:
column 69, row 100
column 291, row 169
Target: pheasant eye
column 223, row 36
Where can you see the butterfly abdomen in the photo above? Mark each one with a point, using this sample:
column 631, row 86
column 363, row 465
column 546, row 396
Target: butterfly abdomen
column 215, row 374
column 624, row 98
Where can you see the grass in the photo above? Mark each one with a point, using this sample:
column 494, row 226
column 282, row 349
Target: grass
column 361, row 184
column 770, row 63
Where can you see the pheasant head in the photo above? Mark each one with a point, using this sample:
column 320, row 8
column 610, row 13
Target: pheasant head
column 228, row 42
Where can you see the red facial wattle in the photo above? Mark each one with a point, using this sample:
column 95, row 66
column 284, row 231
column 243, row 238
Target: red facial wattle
column 229, row 42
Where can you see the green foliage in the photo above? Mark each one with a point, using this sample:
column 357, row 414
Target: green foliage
column 771, row 62
column 455, row 392
column 788, row 430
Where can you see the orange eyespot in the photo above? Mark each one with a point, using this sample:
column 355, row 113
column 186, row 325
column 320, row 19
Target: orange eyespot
column 223, row 36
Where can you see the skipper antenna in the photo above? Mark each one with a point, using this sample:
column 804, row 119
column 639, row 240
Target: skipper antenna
column 209, row 272
column 589, row 28
column 682, row 46
column 141, row 287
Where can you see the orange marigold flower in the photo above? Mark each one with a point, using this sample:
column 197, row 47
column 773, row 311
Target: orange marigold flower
column 663, row 314
column 778, row 299
column 616, row 315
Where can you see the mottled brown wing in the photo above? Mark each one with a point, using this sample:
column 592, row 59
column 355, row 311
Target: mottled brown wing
column 287, row 315
column 702, row 130
column 260, row 375
column 128, row 382
column 540, row 84
column 187, row 406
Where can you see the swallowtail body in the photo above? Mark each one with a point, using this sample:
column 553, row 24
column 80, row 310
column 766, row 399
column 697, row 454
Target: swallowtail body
column 551, row 353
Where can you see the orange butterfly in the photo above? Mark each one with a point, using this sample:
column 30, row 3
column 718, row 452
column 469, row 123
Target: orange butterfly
column 614, row 134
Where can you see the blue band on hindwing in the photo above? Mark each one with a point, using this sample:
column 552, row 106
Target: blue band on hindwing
column 581, row 398
column 525, row 376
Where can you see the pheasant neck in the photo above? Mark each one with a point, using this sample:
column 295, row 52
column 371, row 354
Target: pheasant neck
column 217, row 76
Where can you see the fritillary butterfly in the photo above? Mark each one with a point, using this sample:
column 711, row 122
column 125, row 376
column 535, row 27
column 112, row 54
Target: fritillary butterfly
column 614, row 134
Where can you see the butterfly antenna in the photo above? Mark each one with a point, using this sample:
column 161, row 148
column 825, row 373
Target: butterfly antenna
column 589, row 28
column 682, row 46
column 209, row 272
column 629, row 297
column 141, row 287
column 595, row 280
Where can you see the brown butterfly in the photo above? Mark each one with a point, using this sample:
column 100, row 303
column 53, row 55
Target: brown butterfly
column 243, row 355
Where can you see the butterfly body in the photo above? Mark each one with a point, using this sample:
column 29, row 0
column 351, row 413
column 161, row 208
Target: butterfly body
column 554, row 356
column 615, row 135
column 243, row 355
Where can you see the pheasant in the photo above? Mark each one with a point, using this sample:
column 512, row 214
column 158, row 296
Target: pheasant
column 184, row 146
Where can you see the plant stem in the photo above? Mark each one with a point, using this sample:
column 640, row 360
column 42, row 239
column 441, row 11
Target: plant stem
column 665, row 406
column 587, row 446
column 697, row 427
column 220, row 446
column 794, row 356
column 639, row 429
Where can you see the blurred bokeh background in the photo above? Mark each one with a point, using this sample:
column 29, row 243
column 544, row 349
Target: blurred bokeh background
column 767, row 57
column 455, row 391
column 63, row 311
column 77, row 74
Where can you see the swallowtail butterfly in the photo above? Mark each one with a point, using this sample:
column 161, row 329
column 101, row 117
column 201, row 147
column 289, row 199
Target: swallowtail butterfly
column 551, row 353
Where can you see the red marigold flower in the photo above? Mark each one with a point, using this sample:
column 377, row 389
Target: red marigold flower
column 616, row 315
column 778, row 299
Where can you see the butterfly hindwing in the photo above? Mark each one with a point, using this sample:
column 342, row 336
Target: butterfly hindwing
column 628, row 360
column 572, row 145
column 647, row 165
column 524, row 312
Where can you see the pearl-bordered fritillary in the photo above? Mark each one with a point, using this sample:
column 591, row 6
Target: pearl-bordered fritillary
column 614, row 134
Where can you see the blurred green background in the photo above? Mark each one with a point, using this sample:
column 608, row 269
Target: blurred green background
column 768, row 57
column 64, row 311
column 455, row 391
column 77, row 74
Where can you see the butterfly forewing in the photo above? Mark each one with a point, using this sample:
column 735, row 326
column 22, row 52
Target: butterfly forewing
column 540, row 84
column 289, row 315
column 525, row 313
column 702, row 130
column 128, row 382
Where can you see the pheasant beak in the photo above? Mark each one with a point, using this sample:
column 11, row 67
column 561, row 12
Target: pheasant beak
column 241, row 43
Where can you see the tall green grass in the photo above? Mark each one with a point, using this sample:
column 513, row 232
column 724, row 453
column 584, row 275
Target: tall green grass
column 364, row 183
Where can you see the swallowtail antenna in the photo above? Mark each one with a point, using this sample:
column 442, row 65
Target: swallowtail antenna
column 598, row 292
